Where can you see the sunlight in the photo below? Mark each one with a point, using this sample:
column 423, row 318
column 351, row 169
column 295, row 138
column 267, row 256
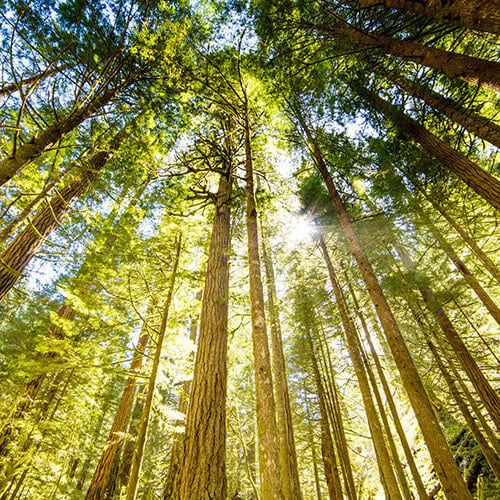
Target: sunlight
column 300, row 229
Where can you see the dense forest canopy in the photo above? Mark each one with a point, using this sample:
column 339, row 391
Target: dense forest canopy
column 249, row 250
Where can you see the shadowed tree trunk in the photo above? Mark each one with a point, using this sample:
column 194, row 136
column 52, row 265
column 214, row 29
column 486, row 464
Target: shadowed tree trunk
column 481, row 15
column 470, row 69
column 383, row 457
column 135, row 470
column 444, row 463
column 203, row 471
column 479, row 125
column 102, row 474
column 483, row 183
column 288, row 456
column 269, row 470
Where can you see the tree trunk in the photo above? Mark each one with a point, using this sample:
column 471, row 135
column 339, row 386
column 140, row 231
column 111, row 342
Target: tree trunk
column 481, row 15
column 417, row 479
column 203, row 470
column 442, row 458
column 10, row 88
column 383, row 457
column 487, row 394
column 478, row 252
column 270, row 478
column 488, row 302
column 327, row 448
column 133, row 481
column 288, row 456
column 177, row 452
column 100, row 480
column 479, row 125
column 473, row 70
column 483, row 183
column 22, row 249
column 29, row 151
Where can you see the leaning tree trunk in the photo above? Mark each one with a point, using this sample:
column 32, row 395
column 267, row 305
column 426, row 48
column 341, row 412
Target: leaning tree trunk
column 387, row 478
column 481, row 15
column 203, row 470
column 471, row 280
column 133, row 481
column 270, row 477
column 102, row 474
column 23, row 248
column 480, row 126
column 447, row 471
column 483, row 183
column 43, row 141
column 327, row 448
column 486, row 392
column 288, row 456
column 473, row 70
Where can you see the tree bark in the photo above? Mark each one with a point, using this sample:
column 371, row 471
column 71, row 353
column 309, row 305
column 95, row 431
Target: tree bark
column 288, row 456
column 29, row 151
column 102, row 474
column 23, row 248
column 133, row 481
column 270, row 477
column 203, row 470
column 442, row 458
column 480, row 15
column 327, row 448
column 480, row 126
column 383, row 457
column 473, row 70
column 483, row 183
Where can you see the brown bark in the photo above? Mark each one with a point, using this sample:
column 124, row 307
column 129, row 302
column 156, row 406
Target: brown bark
column 487, row 394
column 177, row 452
column 203, row 469
column 135, row 470
column 10, row 88
column 481, row 15
column 446, row 469
column 327, row 449
column 472, row 281
column 23, row 248
column 350, row 336
column 288, row 456
column 479, row 125
column 102, row 474
column 483, row 183
column 270, row 477
column 29, row 151
column 417, row 479
column 473, row 70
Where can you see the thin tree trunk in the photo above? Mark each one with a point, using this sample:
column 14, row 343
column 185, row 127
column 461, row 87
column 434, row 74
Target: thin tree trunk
column 203, row 469
column 102, row 474
column 177, row 452
column 327, row 448
column 288, row 456
column 483, row 183
column 485, row 391
column 383, row 457
column 473, row 70
column 23, row 248
column 417, row 479
column 488, row 302
column 479, row 125
column 481, row 15
column 269, row 470
column 10, row 88
column 478, row 252
column 133, row 481
column 442, row 458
